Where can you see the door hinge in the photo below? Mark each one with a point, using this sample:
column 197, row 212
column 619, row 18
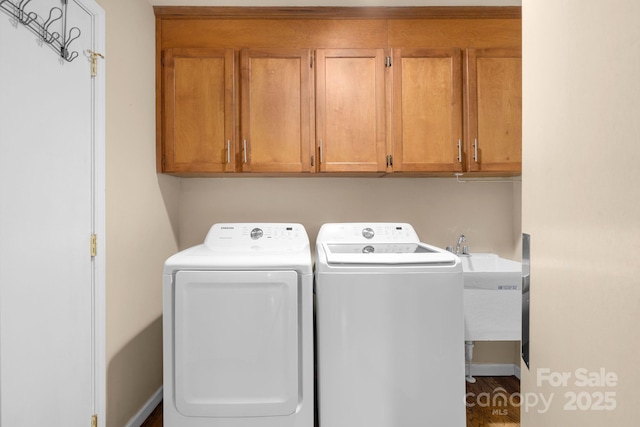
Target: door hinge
column 94, row 62
column 94, row 245
column 387, row 61
column 94, row 420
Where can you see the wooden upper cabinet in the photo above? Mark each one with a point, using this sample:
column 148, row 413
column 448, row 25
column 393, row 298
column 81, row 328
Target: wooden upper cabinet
column 427, row 110
column 276, row 110
column 350, row 110
column 339, row 90
column 198, row 115
column 494, row 108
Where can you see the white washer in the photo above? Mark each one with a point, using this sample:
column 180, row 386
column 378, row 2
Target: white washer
column 390, row 329
column 238, row 329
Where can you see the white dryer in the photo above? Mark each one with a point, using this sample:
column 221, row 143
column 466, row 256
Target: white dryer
column 238, row 329
column 390, row 329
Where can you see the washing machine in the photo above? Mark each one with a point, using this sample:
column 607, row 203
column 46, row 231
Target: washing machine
column 238, row 329
column 390, row 329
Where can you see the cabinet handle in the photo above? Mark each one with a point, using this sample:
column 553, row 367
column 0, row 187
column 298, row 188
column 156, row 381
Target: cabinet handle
column 320, row 151
column 244, row 150
column 228, row 151
column 475, row 150
column 459, row 150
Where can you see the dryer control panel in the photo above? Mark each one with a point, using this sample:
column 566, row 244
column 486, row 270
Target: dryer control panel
column 256, row 235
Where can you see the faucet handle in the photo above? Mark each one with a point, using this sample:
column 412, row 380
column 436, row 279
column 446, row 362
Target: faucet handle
column 465, row 250
column 449, row 248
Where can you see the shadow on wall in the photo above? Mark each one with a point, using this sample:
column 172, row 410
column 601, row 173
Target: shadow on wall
column 170, row 190
column 140, row 358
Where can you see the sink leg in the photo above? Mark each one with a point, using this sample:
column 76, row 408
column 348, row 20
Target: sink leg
column 468, row 356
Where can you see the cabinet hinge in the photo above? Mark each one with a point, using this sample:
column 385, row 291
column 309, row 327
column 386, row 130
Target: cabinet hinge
column 94, row 245
column 389, row 160
column 94, row 420
column 311, row 58
column 312, row 160
column 387, row 61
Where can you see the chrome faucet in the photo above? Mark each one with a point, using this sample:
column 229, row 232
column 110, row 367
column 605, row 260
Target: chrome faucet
column 465, row 249
column 461, row 239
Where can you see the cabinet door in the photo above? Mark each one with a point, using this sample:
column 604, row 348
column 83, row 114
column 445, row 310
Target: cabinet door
column 350, row 110
column 427, row 110
column 198, row 110
column 494, row 108
column 276, row 110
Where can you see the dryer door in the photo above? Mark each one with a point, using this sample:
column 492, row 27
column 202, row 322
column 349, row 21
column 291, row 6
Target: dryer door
column 236, row 343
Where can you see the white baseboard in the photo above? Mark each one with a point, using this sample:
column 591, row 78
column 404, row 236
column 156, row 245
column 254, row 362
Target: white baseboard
column 146, row 410
column 517, row 371
column 493, row 370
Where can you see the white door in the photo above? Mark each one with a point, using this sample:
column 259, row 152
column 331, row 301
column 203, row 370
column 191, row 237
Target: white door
column 51, row 202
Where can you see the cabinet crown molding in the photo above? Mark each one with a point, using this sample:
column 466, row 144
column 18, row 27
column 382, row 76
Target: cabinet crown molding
column 431, row 12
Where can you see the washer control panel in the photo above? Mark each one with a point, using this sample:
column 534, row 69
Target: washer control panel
column 368, row 232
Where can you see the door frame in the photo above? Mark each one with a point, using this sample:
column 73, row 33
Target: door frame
column 99, row 212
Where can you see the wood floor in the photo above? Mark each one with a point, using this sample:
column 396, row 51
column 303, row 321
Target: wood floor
column 491, row 402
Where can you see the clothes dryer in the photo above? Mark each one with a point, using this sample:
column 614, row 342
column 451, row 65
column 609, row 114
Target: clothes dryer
column 390, row 331
column 238, row 329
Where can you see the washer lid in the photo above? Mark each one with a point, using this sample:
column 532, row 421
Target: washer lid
column 387, row 253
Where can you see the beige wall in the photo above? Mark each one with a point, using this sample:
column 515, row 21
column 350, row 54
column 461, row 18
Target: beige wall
column 440, row 209
column 581, row 203
column 149, row 216
column 141, row 212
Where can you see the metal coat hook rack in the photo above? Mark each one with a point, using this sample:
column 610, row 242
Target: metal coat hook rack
column 58, row 41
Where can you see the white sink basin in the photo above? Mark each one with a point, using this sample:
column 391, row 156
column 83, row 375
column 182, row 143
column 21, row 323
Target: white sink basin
column 489, row 271
column 492, row 297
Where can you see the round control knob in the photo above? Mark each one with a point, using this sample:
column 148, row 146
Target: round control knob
column 256, row 233
column 368, row 250
column 368, row 233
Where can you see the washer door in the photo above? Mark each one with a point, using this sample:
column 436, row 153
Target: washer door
column 236, row 343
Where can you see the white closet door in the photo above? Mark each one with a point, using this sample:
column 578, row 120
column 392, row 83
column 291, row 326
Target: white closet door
column 48, row 210
column 236, row 343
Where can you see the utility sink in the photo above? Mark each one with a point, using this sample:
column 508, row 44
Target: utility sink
column 489, row 271
column 492, row 297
